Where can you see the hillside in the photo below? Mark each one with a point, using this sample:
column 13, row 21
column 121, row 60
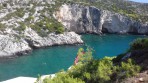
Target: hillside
column 31, row 22
column 37, row 13
column 26, row 25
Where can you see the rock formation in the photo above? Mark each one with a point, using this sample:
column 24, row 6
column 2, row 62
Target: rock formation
column 82, row 19
column 37, row 41
column 13, row 44
column 10, row 45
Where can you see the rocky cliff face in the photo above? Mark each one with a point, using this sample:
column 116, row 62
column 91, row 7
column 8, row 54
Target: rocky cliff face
column 22, row 23
column 14, row 44
column 36, row 41
column 82, row 19
column 10, row 45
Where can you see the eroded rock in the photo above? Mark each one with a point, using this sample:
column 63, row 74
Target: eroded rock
column 83, row 19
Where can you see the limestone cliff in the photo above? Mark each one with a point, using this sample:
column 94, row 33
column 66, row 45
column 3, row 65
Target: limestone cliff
column 82, row 19
column 13, row 44
column 29, row 24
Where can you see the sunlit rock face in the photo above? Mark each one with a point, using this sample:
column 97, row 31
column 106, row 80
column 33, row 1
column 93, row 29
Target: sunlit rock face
column 82, row 19
column 36, row 41
column 12, row 44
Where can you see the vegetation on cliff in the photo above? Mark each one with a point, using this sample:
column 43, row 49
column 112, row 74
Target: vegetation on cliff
column 139, row 44
column 40, row 16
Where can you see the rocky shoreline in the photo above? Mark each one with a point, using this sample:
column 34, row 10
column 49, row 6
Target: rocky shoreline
column 11, row 45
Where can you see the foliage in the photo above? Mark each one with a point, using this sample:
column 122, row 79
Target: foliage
column 19, row 12
column 4, row 4
column 22, row 26
column 139, row 44
column 62, row 77
column 85, row 57
column 2, row 26
column 89, row 70
column 104, row 70
column 129, row 68
column 29, row 18
column 49, row 25
column 60, row 30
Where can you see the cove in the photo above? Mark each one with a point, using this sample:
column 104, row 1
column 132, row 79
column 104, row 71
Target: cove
column 53, row 59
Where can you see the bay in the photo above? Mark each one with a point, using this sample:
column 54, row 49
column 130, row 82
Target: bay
column 52, row 59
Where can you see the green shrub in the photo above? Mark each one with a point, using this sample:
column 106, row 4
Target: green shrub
column 139, row 44
column 104, row 70
column 128, row 69
column 60, row 30
column 2, row 26
column 62, row 77
column 133, row 16
column 22, row 26
column 29, row 18
column 4, row 4
column 19, row 12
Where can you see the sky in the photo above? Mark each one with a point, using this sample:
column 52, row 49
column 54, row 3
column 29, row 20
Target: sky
column 143, row 1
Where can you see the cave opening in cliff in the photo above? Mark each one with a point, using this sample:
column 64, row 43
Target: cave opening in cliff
column 104, row 30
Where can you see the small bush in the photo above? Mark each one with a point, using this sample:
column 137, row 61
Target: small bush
column 139, row 44
column 104, row 70
column 2, row 26
column 62, row 77
column 22, row 26
column 60, row 30
column 20, row 12
column 127, row 69
column 4, row 4
column 29, row 18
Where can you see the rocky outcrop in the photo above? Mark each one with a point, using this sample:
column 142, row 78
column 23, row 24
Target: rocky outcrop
column 37, row 41
column 10, row 45
column 13, row 44
column 82, row 19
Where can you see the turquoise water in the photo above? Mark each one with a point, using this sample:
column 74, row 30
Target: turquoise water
column 53, row 59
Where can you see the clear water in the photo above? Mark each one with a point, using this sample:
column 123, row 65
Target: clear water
column 53, row 59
